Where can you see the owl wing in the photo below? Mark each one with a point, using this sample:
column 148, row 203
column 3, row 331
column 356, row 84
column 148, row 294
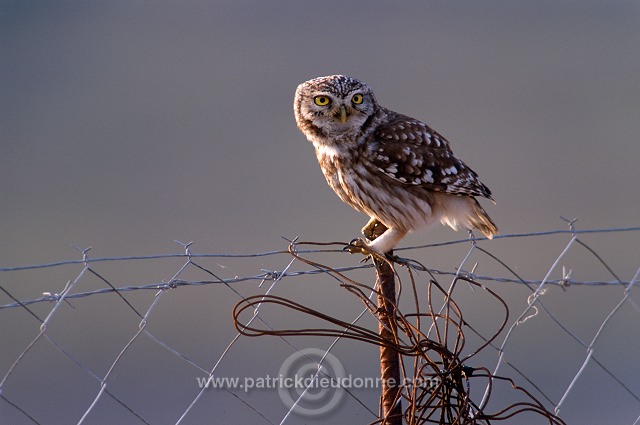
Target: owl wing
column 412, row 153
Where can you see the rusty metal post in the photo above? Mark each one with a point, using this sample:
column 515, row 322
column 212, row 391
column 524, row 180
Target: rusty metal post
column 389, row 357
column 391, row 409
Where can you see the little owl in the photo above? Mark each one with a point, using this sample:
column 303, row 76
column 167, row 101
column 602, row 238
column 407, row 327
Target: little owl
column 394, row 168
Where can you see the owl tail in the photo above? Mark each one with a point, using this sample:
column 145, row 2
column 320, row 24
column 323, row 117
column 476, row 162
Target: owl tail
column 463, row 211
column 481, row 220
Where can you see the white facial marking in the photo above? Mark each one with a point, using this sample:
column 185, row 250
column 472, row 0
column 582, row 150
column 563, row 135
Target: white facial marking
column 326, row 150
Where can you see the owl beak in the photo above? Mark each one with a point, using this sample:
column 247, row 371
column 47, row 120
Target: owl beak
column 343, row 114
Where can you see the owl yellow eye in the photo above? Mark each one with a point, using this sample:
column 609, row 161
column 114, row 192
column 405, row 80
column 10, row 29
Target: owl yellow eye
column 321, row 100
column 357, row 99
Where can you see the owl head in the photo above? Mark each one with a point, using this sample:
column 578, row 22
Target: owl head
column 331, row 106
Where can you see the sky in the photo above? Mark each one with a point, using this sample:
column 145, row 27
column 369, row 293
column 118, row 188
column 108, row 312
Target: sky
column 128, row 125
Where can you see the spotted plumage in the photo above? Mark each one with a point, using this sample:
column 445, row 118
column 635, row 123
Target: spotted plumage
column 394, row 168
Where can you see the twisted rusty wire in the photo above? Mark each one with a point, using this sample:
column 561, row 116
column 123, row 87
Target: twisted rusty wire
column 437, row 387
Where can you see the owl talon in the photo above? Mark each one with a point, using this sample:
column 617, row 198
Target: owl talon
column 357, row 246
column 365, row 259
column 360, row 246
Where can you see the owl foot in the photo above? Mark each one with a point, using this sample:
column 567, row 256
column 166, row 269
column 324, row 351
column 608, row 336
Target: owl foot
column 360, row 246
column 373, row 229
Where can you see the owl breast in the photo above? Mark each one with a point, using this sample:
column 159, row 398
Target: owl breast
column 371, row 193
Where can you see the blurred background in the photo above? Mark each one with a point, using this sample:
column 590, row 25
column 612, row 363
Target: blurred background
column 126, row 125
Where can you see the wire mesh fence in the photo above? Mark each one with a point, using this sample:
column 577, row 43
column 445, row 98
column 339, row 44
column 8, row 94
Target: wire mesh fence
column 486, row 333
